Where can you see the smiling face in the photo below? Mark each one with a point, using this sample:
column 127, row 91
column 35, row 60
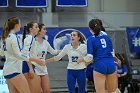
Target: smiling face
column 74, row 37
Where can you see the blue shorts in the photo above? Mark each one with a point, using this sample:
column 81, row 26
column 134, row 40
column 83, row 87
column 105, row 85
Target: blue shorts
column 105, row 66
column 11, row 75
column 25, row 67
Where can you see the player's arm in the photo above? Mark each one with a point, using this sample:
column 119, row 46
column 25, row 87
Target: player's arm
column 59, row 56
column 89, row 56
column 19, row 55
column 51, row 50
column 116, row 60
column 27, row 45
column 125, row 70
column 16, row 49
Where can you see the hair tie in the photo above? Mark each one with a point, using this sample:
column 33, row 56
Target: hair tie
column 95, row 24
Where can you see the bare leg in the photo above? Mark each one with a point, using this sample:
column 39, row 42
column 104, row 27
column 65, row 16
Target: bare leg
column 34, row 83
column 11, row 87
column 45, row 83
column 99, row 81
column 111, row 83
column 20, row 83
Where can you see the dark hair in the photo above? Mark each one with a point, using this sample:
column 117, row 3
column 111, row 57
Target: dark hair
column 82, row 39
column 40, row 25
column 27, row 30
column 8, row 26
column 96, row 26
column 122, row 59
column 120, row 56
column 102, row 28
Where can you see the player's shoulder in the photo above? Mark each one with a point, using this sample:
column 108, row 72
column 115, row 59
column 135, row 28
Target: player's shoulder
column 83, row 45
column 68, row 46
column 12, row 36
column 19, row 36
column 46, row 42
column 103, row 33
column 29, row 37
column 91, row 38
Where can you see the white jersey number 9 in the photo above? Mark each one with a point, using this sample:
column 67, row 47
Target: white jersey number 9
column 103, row 42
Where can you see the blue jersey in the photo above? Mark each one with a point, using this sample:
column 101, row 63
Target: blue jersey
column 100, row 47
column 123, row 69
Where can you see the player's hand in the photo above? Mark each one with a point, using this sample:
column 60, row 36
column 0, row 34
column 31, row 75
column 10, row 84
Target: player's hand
column 80, row 60
column 41, row 62
column 31, row 74
column 58, row 51
column 119, row 75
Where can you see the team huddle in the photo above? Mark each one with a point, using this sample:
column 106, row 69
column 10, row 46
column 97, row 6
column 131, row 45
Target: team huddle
column 25, row 67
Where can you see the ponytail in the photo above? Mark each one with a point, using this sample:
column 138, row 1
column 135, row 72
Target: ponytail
column 27, row 30
column 6, row 31
column 24, row 34
column 102, row 28
column 96, row 26
column 101, row 24
column 8, row 26
column 81, row 38
column 97, row 29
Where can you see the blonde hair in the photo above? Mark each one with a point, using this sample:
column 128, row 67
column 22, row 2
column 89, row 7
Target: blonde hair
column 8, row 26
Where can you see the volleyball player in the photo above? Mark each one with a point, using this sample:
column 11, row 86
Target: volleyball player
column 75, row 71
column 99, row 48
column 12, row 70
column 29, row 48
column 43, row 47
column 113, row 53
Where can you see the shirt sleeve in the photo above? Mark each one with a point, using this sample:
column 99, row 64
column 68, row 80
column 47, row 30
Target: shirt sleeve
column 89, row 56
column 90, row 46
column 84, row 48
column 51, row 50
column 61, row 54
column 16, row 49
column 113, row 53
